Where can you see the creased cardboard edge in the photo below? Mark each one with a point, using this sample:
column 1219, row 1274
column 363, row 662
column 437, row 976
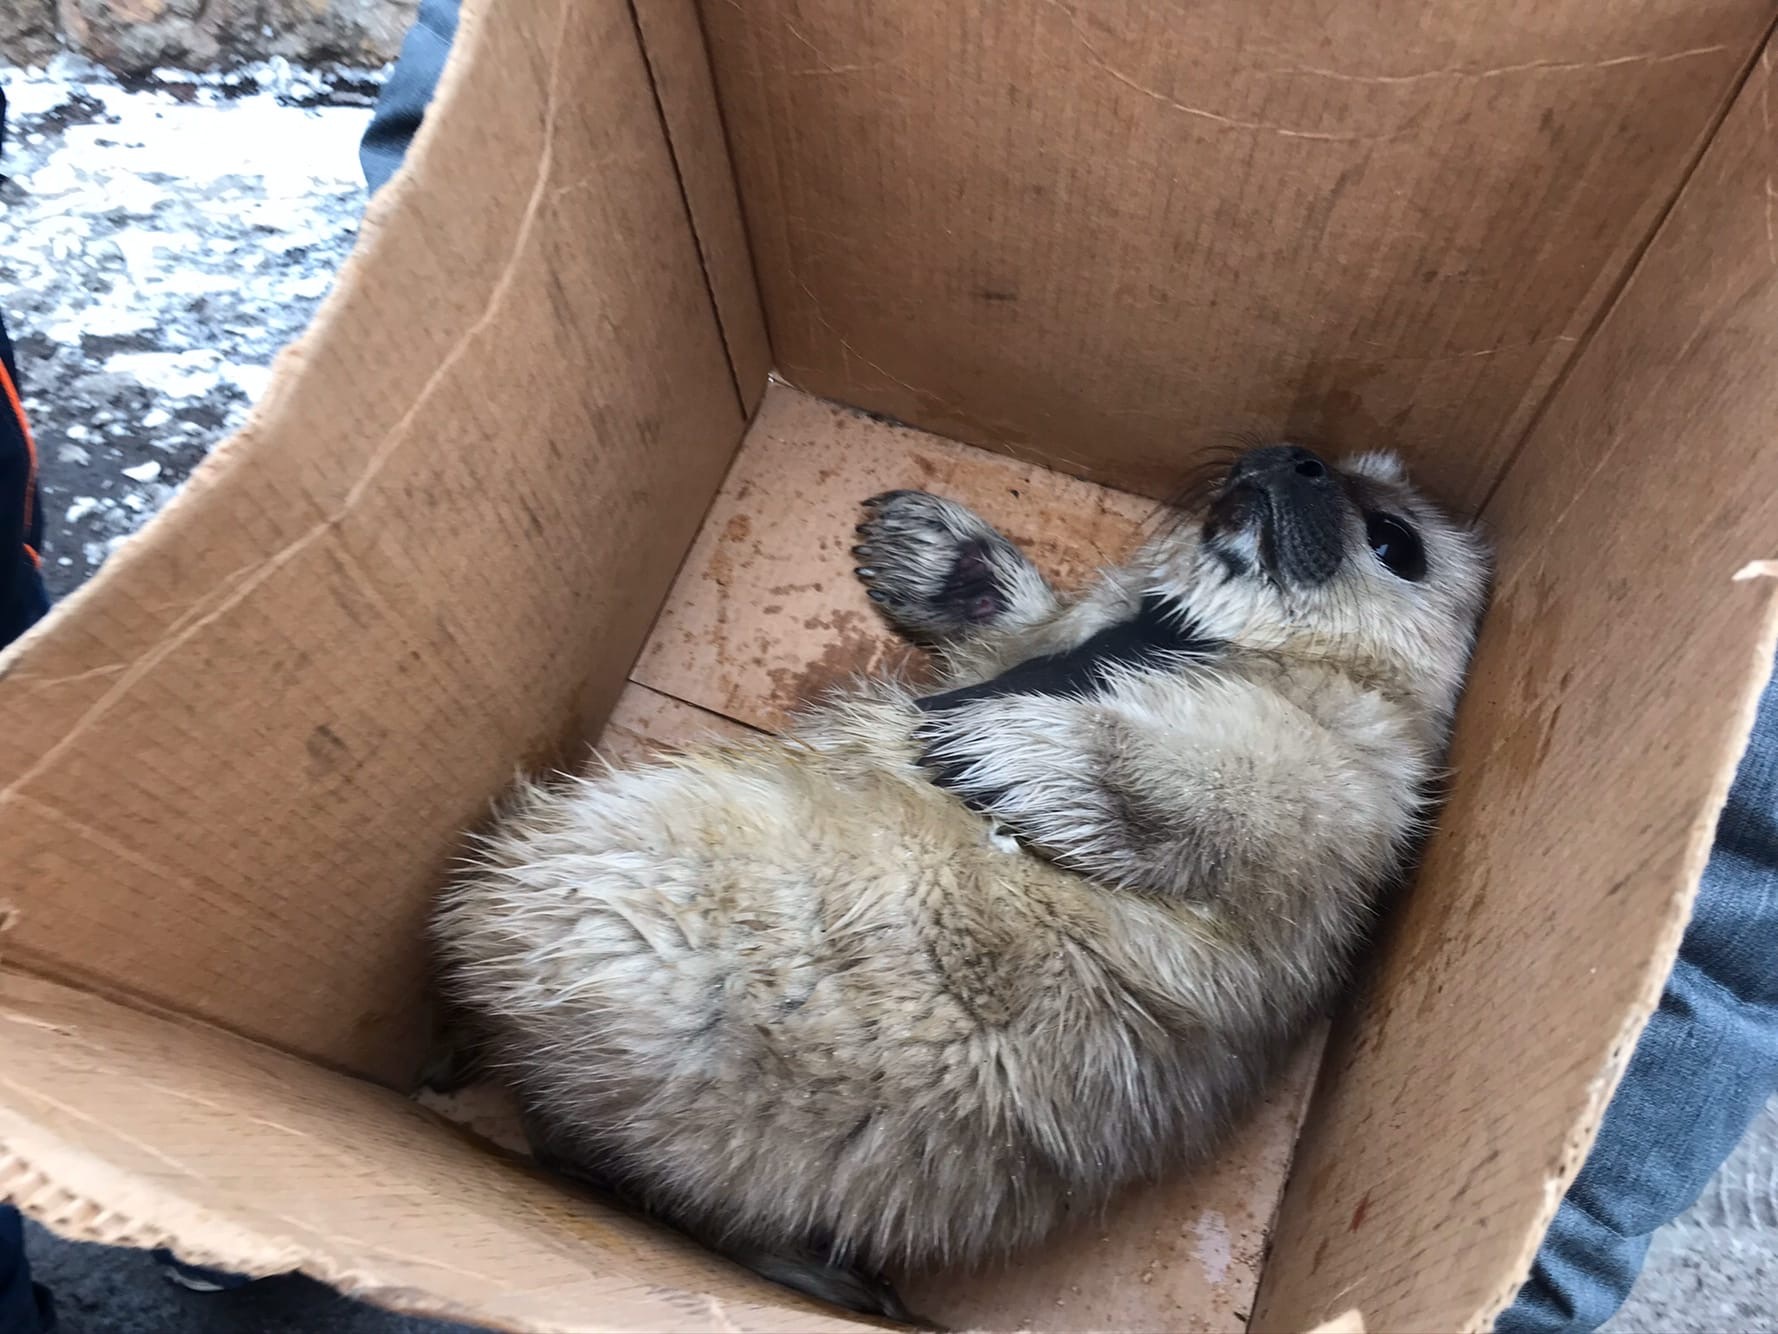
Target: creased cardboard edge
column 59, row 1187
column 59, row 1184
column 1700, row 840
column 55, row 1183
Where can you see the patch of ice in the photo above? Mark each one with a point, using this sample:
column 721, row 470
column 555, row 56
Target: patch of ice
column 155, row 418
column 250, row 380
column 82, row 506
column 254, row 139
column 175, row 374
column 189, row 282
column 110, row 319
column 143, row 472
column 316, row 284
column 32, row 93
column 140, row 246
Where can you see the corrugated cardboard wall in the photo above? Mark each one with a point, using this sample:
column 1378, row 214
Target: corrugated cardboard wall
column 1611, row 696
column 127, row 1128
column 1108, row 234
column 236, row 763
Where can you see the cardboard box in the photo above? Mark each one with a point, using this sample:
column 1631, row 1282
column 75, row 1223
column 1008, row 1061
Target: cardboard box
column 482, row 514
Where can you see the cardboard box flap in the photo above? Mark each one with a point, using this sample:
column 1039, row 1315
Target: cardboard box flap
column 123, row 1128
column 238, row 761
column 1617, row 679
column 1108, row 234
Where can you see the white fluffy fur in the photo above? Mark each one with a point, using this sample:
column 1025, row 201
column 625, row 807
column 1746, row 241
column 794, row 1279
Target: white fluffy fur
column 792, row 995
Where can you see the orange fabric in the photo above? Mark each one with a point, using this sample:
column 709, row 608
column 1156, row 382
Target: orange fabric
column 18, row 411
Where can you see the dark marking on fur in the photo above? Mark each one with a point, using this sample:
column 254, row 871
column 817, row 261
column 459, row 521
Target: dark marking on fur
column 1232, row 561
column 1142, row 823
column 1155, row 633
column 852, row 1135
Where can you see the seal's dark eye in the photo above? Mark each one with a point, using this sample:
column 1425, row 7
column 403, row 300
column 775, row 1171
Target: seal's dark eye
column 1396, row 545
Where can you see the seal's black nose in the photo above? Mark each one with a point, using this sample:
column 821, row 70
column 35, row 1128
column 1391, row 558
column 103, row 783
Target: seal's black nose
column 1297, row 506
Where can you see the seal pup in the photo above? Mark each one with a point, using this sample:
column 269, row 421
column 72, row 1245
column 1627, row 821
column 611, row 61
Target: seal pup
column 931, row 973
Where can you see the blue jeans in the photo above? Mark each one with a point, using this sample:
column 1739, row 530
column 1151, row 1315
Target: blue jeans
column 25, row 1307
column 402, row 103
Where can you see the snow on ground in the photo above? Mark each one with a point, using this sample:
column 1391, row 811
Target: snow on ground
column 159, row 243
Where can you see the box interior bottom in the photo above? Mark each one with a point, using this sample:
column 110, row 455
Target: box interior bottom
column 764, row 616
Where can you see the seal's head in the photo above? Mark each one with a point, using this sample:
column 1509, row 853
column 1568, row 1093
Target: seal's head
column 1346, row 562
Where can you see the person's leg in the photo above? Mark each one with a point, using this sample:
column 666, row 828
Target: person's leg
column 22, row 598
column 25, row 1307
column 402, row 103
column 1704, row 1067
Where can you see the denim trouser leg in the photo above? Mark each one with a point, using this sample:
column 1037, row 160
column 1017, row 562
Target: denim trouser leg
column 402, row 103
column 1705, row 1066
column 25, row 1307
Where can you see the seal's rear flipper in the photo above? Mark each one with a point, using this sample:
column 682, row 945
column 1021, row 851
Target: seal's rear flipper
column 830, row 1281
